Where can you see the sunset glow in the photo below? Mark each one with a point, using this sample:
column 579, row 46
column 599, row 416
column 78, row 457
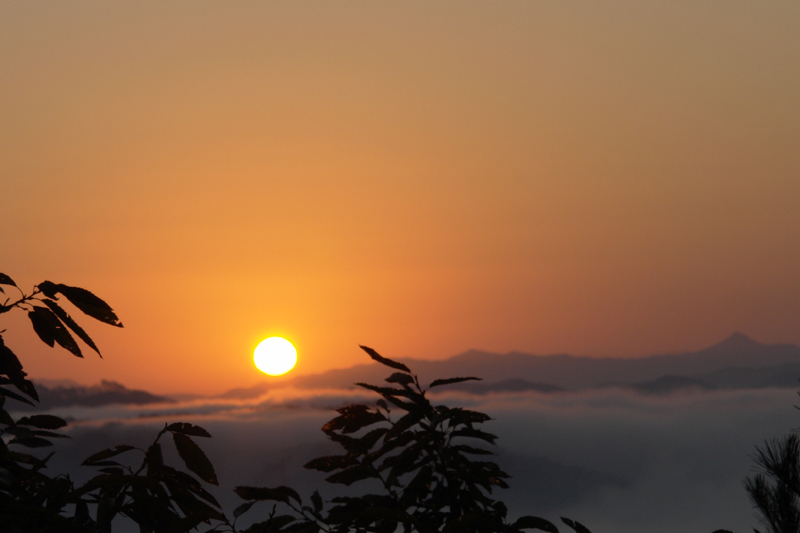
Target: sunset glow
column 605, row 179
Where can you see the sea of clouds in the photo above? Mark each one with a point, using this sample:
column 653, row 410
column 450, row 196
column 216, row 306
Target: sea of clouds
column 617, row 461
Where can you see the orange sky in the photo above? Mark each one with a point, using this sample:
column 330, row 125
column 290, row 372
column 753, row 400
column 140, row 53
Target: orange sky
column 423, row 178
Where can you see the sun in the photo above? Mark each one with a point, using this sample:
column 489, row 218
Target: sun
column 275, row 356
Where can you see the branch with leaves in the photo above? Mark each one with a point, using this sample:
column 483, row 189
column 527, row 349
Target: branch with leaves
column 426, row 458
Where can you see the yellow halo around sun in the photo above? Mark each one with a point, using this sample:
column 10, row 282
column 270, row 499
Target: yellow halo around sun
column 275, row 356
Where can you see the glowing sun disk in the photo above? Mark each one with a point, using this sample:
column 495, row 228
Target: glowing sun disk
column 275, row 356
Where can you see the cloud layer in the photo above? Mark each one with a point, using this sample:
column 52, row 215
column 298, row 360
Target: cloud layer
column 617, row 461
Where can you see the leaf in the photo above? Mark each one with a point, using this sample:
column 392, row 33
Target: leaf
column 351, row 475
column 401, row 378
column 11, row 367
column 12, row 394
column 331, row 462
column 5, row 418
column 463, row 448
column 50, row 329
column 25, row 459
column 275, row 523
column 353, row 418
column 316, row 500
column 6, row 280
column 239, row 511
column 71, row 324
column 384, row 361
column 476, row 434
column 107, row 454
column 575, row 525
column 42, row 421
column 51, row 434
column 154, row 457
column 534, row 522
column 194, row 458
column 403, row 423
column 188, row 429
column 31, row 442
column 448, row 381
column 89, row 304
column 278, row 494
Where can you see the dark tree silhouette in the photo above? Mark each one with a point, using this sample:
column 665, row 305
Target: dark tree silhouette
column 424, row 458
column 774, row 492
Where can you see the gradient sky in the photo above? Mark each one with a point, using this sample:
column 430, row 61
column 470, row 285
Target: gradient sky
column 424, row 178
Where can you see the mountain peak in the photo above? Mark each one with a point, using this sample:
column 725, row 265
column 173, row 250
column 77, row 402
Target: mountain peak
column 737, row 340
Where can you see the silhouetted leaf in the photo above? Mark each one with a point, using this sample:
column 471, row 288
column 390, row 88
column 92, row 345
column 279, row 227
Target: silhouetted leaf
column 188, row 429
column 278, row 522
column 331, row 463
column 351, row 475
column 239, row 511
column 469, row 449
column 12, row 394
column 86, row 302
column 385, row 361
column 403, row 423
column 71, row 324
column 353, row 418
column 154, row 457
column 401, row 378
column 194, row 458
column 107, row 454
column 50, row 329
column 5, row 418
column 475, row 433
column 371, row 437
column 577, row 526
column 50, row 434
column 277, row 494
column 42, row 421
column 12, row 368
column 177, row 479
column 25, row 459
column 301, row 527
column 466, row 416
column 534, row 522
column 448, row 381
column 31, row 442
column 6, row 280
column 316, row 500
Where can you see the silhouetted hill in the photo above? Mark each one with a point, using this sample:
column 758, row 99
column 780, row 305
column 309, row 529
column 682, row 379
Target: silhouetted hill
column 507, row 385
column 736, row 362
column 106, row 393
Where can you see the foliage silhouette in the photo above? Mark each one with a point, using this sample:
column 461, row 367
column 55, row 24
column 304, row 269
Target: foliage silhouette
column 775, row 491
column 422, row 456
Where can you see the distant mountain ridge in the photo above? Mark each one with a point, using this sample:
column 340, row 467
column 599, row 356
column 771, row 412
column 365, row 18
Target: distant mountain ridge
column 736, row 362
column 65, row 394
